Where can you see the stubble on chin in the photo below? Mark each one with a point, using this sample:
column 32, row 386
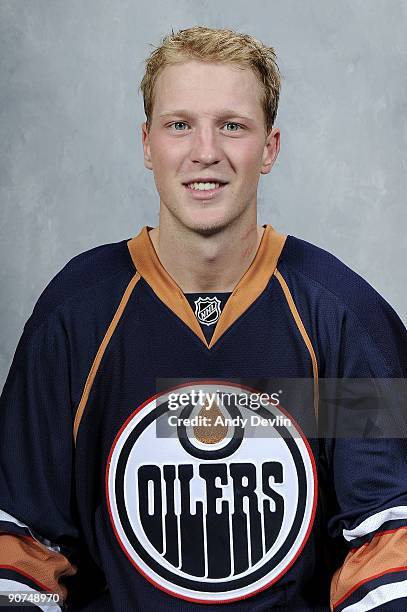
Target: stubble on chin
column 209, row 229
column 200, row 227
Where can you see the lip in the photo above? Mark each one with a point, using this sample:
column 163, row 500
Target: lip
column 209, row 179
column 207, row 194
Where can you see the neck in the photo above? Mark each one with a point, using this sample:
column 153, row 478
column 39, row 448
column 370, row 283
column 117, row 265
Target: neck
column 200, row 263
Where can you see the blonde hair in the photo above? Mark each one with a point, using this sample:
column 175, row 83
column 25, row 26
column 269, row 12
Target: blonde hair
column 215, row 45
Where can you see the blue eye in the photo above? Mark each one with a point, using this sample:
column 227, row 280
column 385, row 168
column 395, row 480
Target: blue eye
column 232, row 123
column 178, row 123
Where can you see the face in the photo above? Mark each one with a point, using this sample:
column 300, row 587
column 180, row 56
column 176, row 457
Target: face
column 208, row 126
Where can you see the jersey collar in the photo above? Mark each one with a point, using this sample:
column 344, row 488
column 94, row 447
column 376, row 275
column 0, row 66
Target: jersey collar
column 247, row 290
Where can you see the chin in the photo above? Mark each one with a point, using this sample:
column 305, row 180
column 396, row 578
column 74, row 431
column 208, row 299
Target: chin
column 207, row 230
column 208, row 227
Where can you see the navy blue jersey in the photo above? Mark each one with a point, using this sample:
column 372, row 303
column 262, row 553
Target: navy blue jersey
column 114, row 498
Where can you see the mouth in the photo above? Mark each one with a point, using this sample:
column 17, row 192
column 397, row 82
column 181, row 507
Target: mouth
column 205, row 190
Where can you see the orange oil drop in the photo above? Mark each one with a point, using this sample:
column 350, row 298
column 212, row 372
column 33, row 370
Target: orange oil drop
column 215, row 429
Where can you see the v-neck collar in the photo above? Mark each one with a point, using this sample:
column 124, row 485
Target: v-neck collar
column 247, row 290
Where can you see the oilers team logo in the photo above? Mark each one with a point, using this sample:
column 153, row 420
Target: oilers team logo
column 207, row 310
column 211, row 514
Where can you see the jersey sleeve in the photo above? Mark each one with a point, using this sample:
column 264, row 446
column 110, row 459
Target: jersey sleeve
column 367, row 461
column 38, row 536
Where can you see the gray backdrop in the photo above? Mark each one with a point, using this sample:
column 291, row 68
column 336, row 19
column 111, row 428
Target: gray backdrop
column 72, row 174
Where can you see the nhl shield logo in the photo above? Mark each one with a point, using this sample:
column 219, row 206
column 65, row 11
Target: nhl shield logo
column 207, row 310
column 210, row 519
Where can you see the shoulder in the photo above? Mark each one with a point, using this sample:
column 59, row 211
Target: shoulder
column 71, row 318
column 324, row 273
column 85, row 280
column 340, row 308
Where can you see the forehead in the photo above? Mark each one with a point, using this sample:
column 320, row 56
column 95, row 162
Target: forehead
column 207, row 86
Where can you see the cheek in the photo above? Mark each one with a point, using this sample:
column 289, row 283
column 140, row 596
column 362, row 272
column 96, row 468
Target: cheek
column 160, row 154
column 248, row 158
column 166, row 158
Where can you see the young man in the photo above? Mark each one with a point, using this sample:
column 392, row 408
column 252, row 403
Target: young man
column 111, row 494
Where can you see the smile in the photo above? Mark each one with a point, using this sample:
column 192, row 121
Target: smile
column 201, row 191
column 203, row 186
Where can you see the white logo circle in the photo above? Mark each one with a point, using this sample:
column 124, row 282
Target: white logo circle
column 211, row 521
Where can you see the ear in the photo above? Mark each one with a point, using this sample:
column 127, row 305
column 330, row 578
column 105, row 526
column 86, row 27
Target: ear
column 145, row 139
column 271, row 150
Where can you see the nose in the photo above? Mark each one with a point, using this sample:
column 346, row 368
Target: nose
column 206, row 147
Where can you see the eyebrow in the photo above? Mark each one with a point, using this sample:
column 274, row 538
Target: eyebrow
column 223, row 113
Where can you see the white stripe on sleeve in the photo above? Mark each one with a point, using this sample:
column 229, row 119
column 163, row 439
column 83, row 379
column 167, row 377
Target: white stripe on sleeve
column 372, row 523
column 8, row 518
column 379, row 596
column 4, row 516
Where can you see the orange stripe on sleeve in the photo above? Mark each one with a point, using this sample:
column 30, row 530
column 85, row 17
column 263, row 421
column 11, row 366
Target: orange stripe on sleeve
column 386, row 553
column 101, row 351
column 304, row 334
column 35, row 561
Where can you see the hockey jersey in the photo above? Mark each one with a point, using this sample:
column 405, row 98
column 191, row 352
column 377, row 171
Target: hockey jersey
column 112, row 497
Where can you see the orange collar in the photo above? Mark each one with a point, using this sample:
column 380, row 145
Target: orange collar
column 248, row 289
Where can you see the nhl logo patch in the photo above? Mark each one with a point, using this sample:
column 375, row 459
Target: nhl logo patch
column 207, row 310
column 211, row 516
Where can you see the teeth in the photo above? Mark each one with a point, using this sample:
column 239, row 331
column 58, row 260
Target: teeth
column 203, row 186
